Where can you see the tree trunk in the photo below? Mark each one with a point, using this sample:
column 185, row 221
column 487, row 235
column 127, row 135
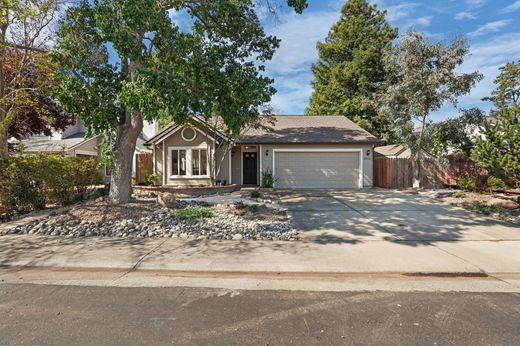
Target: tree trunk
column 4, row 127
column 122, row 158
column 417, row 179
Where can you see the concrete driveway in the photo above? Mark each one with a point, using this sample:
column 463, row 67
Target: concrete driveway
column 327, row 216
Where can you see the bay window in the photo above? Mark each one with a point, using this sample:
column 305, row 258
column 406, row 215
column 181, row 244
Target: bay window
column 188, row 162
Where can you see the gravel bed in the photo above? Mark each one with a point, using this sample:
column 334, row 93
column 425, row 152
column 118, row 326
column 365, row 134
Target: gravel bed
column 163, row 224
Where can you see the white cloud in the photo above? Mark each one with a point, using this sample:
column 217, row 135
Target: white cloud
column 465, row 15
column 511, row 8
column 475, row 3
column 490, row 27
column 420, row 21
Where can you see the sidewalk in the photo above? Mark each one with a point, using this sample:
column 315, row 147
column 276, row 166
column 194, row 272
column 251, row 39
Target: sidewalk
column 491, row 257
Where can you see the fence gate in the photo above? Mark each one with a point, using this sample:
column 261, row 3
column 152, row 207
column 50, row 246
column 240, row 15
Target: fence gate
column 143, row 166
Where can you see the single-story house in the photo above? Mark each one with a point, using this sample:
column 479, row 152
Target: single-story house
column 301, row 152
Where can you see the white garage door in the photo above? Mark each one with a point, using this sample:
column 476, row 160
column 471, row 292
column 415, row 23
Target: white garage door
column 316, row 170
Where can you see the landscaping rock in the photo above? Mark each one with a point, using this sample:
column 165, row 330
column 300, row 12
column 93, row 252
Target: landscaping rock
column 162, row 223
column 502, row 203
column 166, row 199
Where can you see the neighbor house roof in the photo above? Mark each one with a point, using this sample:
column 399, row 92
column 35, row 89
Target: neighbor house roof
column 45, row 144
column 316, row 129
column 393, row 150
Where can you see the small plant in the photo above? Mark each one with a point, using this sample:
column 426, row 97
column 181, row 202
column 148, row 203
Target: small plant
column 468, row 183
column 150, row 178
column 268, row 178
column 488, row 210
column 255, row 194
column 252, row 208
column 495, row 183
column 459, row 194
column 193, row 215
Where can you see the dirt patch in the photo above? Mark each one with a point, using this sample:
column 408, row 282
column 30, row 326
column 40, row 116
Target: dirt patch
column 254, row 212
column 101, row 211
column 468, row 199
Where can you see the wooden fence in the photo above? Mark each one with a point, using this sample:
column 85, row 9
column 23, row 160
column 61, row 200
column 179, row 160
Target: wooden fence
column 143, row 166
column 397, row 173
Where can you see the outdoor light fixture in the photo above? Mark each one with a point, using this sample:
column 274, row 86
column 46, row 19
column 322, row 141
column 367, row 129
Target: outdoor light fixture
column 368, row 152
column 266, row 152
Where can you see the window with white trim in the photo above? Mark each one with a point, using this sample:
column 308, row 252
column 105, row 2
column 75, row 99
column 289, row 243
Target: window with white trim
column 188, row 162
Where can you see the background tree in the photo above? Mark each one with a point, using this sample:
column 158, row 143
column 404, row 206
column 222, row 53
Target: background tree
column 350, row 68
column 125, row 61
column 36, row 112
column 424, row 78
column 507, row 92
column 454, row 135
column 26, row 28
column 498, row 148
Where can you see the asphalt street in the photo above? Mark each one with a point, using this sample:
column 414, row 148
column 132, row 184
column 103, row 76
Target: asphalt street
column 47, row 314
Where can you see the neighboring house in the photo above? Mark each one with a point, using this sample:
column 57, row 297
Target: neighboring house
column 393, row 151
column 73, row 142
column 301, row 151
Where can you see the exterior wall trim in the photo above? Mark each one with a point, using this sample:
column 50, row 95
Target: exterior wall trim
column 325, row 150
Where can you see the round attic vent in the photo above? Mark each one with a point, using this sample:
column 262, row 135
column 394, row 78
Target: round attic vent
column 188, row 134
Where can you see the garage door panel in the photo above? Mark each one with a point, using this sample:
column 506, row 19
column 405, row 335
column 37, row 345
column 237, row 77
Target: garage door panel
column 317, row 169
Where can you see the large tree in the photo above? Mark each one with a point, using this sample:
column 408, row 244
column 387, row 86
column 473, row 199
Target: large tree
column 128, row 61
column 350, row 69
column 498, row 146
column 424, row 78
column 454, row 135
column 507, row 92
column 37, row 112
column 25, row 32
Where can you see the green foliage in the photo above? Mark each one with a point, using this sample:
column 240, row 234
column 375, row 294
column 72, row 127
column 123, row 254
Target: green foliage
column 454, row 135
column 150, row 178
column 255, row 194
column 467, row 183
column 480, row 208
column 350, row 68
column 459, row 194
column 193, row 215
column 252, row 208
column 495, row 183
column 507, row 92
column 424, row 78
column 30, row 182
column 268, row 178
column 498, row 148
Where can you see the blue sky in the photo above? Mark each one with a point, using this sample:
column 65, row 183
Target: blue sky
column 491, row 27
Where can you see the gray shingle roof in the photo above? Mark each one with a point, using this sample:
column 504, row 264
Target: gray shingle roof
column 318, row 129
column 45, row 144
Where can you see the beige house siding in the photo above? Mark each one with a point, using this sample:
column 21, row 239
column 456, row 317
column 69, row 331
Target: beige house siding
column 267, row 161
column 236, row 168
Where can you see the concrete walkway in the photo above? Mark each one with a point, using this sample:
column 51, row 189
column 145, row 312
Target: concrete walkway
column 373, row 234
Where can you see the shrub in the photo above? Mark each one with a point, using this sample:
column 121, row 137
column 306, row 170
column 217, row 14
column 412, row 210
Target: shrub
column 459, row 194
column 488, row 210
column 252, row 208
column 255, row 194
column 150, row 178
column 268, row 178
column 468, row 183
column 30, row 182
column 193, row 215
column 495, row 183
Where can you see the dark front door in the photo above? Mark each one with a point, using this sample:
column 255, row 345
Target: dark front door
column 249, row 166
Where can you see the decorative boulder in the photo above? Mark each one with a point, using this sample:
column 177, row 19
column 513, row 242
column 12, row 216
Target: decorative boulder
column 502, row 203
column 166, row 199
